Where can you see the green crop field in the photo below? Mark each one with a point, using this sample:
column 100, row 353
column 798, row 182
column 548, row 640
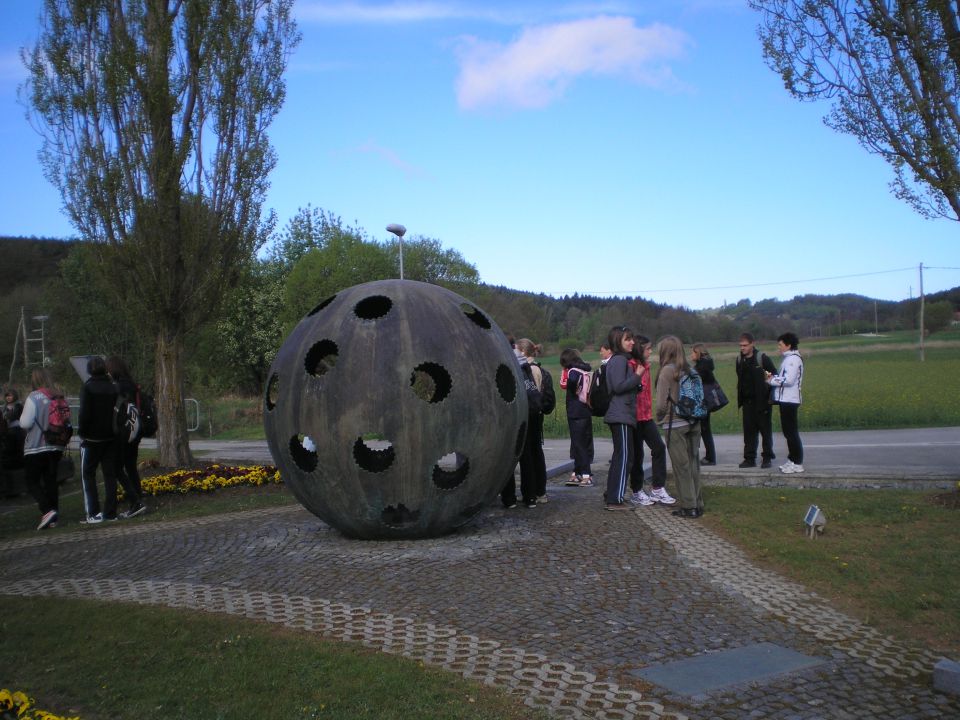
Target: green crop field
column 849, row 383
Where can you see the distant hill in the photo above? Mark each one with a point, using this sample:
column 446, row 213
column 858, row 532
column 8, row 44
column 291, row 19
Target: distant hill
column 27, row 259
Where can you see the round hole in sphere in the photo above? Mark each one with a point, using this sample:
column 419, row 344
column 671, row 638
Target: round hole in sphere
column 373, row 455
column 474, row 314
column 305, row 459
column 430, row 382
column 321, row 357
column 321, row 306
column 373, row 307
column 451, row 470
column 399, row 516
column 273, row 387
column 506, row 384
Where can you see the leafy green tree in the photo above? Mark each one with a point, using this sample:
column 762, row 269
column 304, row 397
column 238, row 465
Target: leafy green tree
column 892, row 70
column 154, row 116
column 309, row 229
column 426, row 260
column 250, row 330
column 938, row 315
column 343, row 261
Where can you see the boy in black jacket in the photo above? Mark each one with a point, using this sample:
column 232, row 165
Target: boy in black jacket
column 95, row 427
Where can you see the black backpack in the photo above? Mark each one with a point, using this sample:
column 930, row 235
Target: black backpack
column 599, row 394
column 548, row 399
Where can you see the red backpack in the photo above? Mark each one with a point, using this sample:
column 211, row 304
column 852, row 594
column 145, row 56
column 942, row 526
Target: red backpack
column 59, row 430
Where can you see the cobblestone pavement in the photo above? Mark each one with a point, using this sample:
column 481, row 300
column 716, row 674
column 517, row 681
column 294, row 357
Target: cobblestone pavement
column 562, row 604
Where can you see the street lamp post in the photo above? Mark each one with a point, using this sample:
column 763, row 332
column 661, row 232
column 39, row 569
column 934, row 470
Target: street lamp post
column 399, row 231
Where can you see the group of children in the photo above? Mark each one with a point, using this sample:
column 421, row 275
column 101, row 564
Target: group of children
column 634, row 423
column 100, row 447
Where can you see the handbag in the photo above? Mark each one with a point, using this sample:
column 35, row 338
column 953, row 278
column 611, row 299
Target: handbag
column 714, row 397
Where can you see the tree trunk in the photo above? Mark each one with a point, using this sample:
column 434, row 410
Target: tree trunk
column 172, row 439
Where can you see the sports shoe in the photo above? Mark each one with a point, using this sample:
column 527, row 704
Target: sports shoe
column 766, row 464
column 661, row 495
column 641, row 498
column 49, row 517
column 543, row 499
column 748, row 463
column 586, row 481
column 794, row 468
column 785, row 468
column 510, row 506
column 530, row 503
column 138, row 510
column 93, row 519
column 574, row 480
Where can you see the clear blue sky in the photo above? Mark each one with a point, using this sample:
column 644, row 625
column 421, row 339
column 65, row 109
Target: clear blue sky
column 631, row 148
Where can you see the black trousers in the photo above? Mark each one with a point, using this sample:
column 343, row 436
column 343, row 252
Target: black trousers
column 40, row 475
column 757, row 424
column 581, row 444
column 706, row 435
column 647, row 433
column 789, row 413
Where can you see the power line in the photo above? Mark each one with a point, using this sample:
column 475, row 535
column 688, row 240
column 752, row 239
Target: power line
column 753, row 285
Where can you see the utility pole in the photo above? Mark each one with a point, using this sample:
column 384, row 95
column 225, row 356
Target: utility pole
column 922, row 358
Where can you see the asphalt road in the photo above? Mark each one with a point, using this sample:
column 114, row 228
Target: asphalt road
column 928, row 457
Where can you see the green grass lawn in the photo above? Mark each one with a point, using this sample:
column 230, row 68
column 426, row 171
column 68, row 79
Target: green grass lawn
column 105, row 660
column 886, row 556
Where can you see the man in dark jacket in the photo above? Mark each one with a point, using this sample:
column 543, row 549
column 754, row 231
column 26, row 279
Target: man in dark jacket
column 97, row 400
column 753, row 399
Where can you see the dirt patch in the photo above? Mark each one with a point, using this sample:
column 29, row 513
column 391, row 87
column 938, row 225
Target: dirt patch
column 949, row 500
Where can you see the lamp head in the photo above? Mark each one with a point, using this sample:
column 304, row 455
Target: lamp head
column 398, row 230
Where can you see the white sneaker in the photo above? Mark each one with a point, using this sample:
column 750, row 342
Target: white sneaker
column 49, row 519
column 785, row 468
column 794, row 468
column 641, row 498
column 661, row 495
column 543, row 499
column 93, row 519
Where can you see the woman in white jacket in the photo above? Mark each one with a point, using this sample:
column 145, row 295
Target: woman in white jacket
column 785, row 389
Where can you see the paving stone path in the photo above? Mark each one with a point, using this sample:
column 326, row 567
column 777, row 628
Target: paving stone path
column 564, row 604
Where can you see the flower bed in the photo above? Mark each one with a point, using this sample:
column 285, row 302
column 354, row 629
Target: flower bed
column 211, row 478
column 16, row 705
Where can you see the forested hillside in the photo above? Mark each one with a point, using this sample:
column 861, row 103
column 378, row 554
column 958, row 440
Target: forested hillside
column 232, row 352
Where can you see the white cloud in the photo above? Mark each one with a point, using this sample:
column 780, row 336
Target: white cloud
column 537, row 67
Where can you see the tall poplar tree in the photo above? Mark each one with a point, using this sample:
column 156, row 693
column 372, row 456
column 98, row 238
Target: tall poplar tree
column 154, row 117
column 892, row 70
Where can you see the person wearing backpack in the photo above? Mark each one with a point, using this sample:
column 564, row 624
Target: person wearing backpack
column 579, row 417
column 127, row 449
column 703, row 364
column 97, row 401
column 683, row 433
column 753, row 398
column 533, row 465
column 40, row 456
column 623, row 385
column 647, row 433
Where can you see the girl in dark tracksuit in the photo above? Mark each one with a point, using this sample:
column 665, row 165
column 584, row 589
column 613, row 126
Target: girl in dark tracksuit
column 622, row 384
column 579, row 418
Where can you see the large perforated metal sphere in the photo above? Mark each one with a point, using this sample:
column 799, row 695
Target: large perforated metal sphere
column 395, row 409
